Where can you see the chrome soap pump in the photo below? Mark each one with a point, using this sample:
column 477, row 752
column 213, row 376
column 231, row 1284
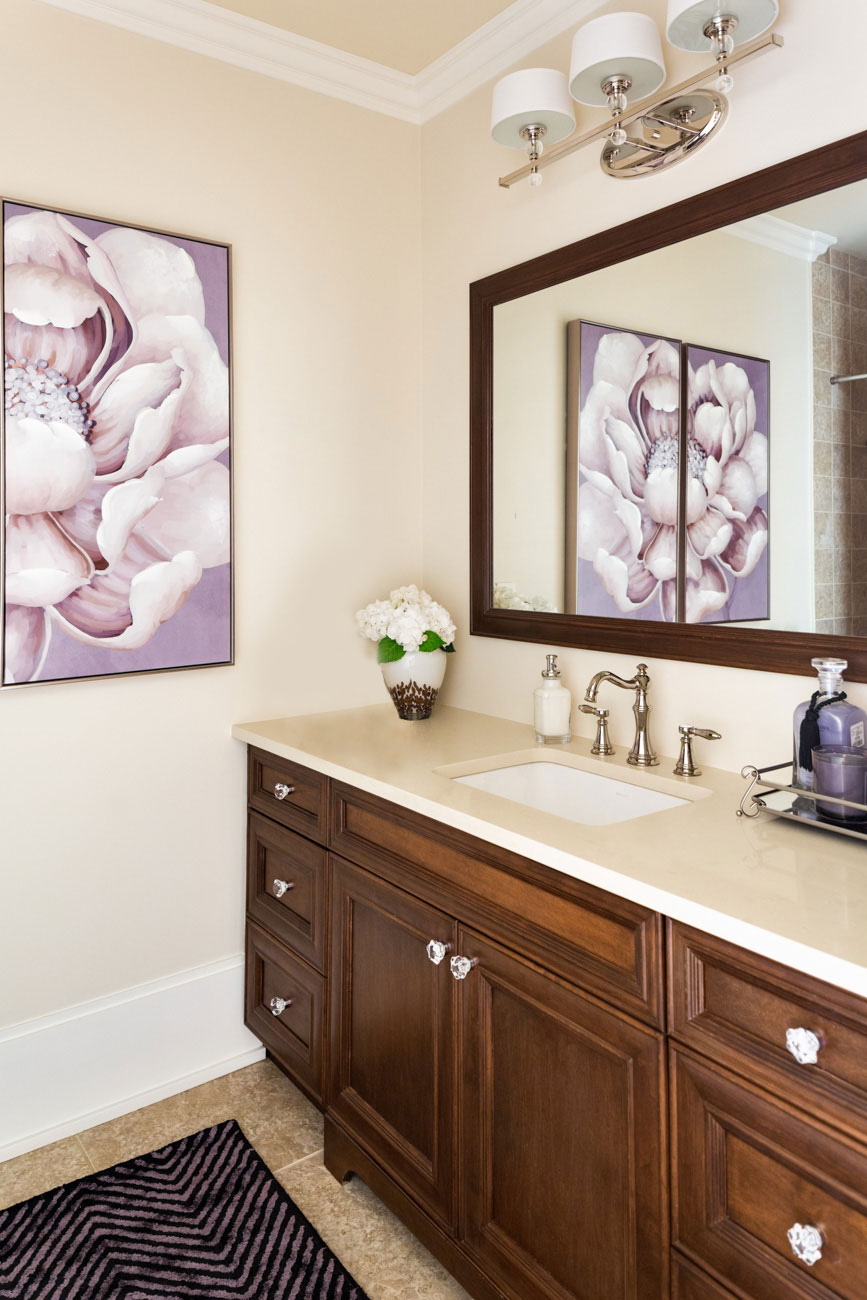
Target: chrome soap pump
column 552, row 707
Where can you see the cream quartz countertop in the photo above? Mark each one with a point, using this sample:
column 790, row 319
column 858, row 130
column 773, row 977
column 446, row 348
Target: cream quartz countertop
column 784, row 891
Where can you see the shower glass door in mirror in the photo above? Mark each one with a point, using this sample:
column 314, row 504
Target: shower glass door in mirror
column 682, row 437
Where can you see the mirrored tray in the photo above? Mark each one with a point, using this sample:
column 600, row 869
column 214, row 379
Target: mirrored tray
column 776, row 799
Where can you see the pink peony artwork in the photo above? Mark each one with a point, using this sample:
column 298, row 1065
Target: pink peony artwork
column 668, row 515
column 115, row 443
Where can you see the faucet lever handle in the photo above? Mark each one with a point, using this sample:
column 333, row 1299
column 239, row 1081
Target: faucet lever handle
column 602, row 744
column 685, row 765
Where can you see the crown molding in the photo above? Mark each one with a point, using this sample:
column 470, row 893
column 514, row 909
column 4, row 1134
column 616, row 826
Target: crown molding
column 783, row 236
column 217, row 33
column 494, row 48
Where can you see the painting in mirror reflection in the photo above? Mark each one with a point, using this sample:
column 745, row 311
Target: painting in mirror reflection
column 659, row 534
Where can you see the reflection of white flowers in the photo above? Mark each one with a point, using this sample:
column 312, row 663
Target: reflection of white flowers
column 507, row 596
column 409, row 620
column 116, row 412
column 628, row 503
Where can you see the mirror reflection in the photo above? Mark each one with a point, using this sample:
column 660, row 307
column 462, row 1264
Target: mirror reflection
column 683, row 436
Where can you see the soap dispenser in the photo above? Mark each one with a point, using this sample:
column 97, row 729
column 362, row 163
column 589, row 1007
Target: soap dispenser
column 827, row 718
column 552, row 707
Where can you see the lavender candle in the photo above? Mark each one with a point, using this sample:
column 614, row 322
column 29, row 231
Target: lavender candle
column 841, row 771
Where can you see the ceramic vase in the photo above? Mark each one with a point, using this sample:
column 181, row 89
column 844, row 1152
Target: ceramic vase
column 413, row 682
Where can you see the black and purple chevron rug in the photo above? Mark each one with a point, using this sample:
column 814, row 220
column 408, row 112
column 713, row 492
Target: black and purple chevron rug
column 200, row 1219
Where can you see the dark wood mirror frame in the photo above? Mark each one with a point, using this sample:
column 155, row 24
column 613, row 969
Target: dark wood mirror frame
column 823, row 169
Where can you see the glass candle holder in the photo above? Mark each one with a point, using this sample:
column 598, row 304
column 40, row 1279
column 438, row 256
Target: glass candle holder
column 841, row 771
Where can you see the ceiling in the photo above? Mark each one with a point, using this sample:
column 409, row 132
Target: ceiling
column 403, row 35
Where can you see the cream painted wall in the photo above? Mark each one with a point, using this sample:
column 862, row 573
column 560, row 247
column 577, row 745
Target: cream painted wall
column 473, row 228
column 122, row 801
column 764, row 309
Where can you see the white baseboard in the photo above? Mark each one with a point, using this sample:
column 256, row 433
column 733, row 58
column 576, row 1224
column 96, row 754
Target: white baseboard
column 66, row 1072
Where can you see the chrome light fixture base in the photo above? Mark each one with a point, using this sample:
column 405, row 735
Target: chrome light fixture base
column 665, row 134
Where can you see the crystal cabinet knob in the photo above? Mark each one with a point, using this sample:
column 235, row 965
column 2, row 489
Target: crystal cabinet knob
column 806, row 1242
column 281, row 887
column 282, row 791
column 804, row 1045
column 279, row 1005
column 460, row 967
column 437, row 950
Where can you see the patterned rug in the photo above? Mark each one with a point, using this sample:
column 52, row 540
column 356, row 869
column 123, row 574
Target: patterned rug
column 200, row 1219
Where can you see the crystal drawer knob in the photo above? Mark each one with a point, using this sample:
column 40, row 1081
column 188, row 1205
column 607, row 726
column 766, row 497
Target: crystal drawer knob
column 282, row 791
column 281, row 887
column 804, row 1045
column 279, row 1005
column 806, row 1242
column 460, row 967
column 436, row 951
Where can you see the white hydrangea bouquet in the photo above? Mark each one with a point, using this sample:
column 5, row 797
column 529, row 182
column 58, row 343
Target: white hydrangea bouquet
column 414, row 635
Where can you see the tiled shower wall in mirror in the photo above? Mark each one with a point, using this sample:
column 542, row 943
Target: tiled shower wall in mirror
column 840, row 442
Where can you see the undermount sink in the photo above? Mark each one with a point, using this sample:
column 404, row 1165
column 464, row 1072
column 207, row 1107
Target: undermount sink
column 591, row 798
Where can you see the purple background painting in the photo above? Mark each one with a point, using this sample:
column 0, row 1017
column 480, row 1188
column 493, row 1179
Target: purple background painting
column 201, row 632
column 593, row 599
column 749, row 597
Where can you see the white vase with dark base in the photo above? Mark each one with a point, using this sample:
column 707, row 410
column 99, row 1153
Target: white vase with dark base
column 413, row 682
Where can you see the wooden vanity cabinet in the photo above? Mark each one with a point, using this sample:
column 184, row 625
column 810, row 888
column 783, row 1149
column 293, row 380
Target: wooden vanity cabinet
column 548, row 1123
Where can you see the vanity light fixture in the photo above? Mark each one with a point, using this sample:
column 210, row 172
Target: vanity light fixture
column 617, row 61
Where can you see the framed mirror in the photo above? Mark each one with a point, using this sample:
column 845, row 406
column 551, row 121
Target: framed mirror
column 669, row 429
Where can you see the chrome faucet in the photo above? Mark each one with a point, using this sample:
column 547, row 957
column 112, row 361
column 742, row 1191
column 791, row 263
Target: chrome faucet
column 642, row 753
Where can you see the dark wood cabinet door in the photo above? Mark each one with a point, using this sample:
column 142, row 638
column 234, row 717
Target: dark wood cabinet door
column 564, row 1137
column 393, row 1034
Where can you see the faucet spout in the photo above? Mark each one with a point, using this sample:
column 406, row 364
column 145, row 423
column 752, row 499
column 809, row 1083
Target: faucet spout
column 605, row 676
column 642, row 753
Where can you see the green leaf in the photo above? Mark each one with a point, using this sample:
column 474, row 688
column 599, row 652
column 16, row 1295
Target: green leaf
column 450, row 648
column 432, row 641
column 389, row 651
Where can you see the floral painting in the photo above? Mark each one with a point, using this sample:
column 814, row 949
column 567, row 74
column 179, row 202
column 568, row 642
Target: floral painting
column 654, row 534
column 115, row 442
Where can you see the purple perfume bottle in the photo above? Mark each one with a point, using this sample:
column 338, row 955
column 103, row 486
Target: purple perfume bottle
column 827, row 718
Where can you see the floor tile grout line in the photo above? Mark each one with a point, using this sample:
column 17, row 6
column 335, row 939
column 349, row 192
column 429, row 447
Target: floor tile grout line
column 85, row 1152
column 300, row 1161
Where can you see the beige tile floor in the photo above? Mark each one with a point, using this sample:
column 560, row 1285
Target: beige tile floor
column 286, row 1130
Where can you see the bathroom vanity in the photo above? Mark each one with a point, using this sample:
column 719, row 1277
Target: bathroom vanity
column 611, row 1062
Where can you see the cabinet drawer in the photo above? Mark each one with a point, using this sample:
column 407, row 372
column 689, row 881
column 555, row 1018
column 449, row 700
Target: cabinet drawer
column 593, row 939
column 748, row 1169
column 737, row 1008
column 288, row 792
column 286, row 887
column 295, row 1036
